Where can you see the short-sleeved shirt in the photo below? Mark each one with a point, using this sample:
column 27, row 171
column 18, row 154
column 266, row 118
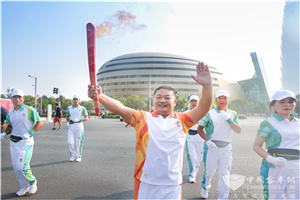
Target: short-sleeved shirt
column 22, row 121
column 217, row 128
column 76, row 114
column 281, row 133
column 3, row 114
column 191, row 137
column 57, row 112
column 159, row 146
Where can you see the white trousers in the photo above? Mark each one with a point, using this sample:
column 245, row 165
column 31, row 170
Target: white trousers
column 223, row 159
column 283, row 184
column 195, row 151
column 20, row 157
column 75, row 141
column 148, row 191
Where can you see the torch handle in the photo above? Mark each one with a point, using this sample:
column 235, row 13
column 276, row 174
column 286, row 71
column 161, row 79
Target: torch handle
column 91, row 47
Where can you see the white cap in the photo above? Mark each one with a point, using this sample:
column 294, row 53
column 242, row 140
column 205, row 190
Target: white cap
column 282, row 94
column 76, row 97
column 194, row 97
column 222, row 93
column 17, row 92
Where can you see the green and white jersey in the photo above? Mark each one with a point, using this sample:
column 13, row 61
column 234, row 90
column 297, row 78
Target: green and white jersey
column 22, row 121
column 217, row 128
column 281, row 133
column 76, row 114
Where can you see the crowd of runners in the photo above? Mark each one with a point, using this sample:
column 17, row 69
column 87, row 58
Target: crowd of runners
column 162, row 134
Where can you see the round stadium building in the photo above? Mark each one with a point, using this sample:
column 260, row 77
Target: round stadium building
column 136, row 73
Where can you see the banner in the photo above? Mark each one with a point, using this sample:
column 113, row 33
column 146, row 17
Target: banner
column 7, row 104
column 49, row 113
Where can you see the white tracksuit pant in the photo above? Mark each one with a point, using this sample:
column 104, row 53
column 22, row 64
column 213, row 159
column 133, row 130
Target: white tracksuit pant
column 195, row 156
column 75, row 138
column 212, row 159
column 20, row 157
column 283, row 183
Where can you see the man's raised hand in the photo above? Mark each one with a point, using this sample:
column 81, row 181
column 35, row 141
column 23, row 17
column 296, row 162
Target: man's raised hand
column 203, row 74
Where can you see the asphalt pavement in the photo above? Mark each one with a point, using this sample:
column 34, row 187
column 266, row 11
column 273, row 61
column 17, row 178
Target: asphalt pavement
column 106, row 170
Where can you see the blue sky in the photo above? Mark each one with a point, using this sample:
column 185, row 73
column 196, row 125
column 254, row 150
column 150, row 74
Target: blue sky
column 48, row 39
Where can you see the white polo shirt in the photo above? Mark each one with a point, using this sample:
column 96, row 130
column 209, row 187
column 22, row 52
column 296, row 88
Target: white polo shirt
column 283, row 134
column 159, row 146
column 22, row 121
column 194, row 138
column 217, row 128
column 76, row 114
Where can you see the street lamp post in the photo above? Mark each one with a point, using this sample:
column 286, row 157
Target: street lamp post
column 35, row 89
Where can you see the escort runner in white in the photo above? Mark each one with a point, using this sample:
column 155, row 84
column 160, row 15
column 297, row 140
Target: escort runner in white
column 281, row 135
column 219, row 124
column 194, row 144
column 75, row 116
column 23, row 121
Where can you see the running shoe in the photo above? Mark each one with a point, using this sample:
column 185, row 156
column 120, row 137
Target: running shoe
column 78, row 159
column 192, row 179
column 72, row 158
column 204, row 194
column 33, row 188
column 22, row 191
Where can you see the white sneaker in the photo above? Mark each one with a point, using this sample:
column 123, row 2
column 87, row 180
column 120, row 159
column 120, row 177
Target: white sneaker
column 22, row 191
column 72, row 158
column 204, row 194
column 192, row 179
column 33, row 188
column 78, row 159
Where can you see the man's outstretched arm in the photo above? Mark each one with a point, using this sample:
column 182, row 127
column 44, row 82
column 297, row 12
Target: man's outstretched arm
column 110, row 103
column 203, row 78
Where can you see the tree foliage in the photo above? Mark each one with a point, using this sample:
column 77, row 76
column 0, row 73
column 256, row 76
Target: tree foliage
column 8, row 92
column 182, row 102
column 120, row 98
column 239, row 105
column 89, row 105
column 135, row 102
column 297, row 109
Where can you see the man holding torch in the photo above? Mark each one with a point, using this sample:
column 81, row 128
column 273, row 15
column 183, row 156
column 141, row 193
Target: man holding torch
column 161, row 135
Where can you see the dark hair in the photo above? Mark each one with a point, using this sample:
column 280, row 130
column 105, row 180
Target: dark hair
column 166, row 87
column 272, row 104
column 56, row 104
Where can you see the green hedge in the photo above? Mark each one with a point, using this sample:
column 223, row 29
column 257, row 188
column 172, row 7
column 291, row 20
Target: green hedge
column 112, row 116
column 242, row 116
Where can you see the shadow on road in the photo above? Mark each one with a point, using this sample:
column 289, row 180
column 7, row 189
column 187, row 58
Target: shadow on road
column 39, row 165
column 121, row 195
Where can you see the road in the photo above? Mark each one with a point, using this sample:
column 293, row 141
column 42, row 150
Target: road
column 106, row 170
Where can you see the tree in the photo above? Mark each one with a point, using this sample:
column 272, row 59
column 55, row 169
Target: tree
column 8, row 92
column 135, row 102
column 239, row 105
column 3, row 96
column 29, row 100
column 65, row 103
column 214, row 104
column 120, row 98
column 264, row 107
column 297, row 109
column 89, row 105
column 182, row 102
column 257, row 108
